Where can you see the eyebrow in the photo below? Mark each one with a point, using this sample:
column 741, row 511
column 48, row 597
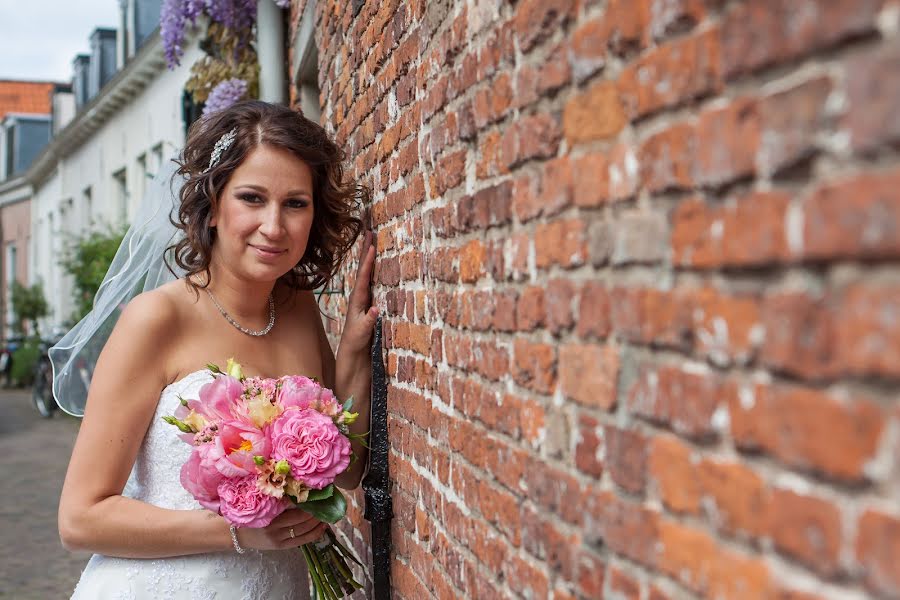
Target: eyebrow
column 259, row 188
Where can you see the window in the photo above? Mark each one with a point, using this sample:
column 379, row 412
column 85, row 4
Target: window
column 88, row 212
column 121, row 196
column 143, row 176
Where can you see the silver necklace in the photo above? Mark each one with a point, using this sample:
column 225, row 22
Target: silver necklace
column 240, row 327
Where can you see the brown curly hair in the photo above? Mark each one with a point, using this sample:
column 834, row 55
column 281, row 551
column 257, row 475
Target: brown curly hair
column 337, row 202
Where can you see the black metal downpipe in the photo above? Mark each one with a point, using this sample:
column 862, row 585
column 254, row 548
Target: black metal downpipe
column 377, row 484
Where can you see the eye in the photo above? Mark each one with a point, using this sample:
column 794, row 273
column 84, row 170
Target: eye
column 249, row 198
column 297, row 203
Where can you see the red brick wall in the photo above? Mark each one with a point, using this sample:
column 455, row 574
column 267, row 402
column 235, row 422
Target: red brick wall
column 638, row 262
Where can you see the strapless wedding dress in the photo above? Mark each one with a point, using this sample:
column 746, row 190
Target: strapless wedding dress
column 280, row 574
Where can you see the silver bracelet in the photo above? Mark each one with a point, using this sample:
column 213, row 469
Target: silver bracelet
column 234, row 540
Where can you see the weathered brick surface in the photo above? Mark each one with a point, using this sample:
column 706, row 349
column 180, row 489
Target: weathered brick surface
column 639, row 264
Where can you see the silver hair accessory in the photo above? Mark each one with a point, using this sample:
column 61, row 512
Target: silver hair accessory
column 221, row 146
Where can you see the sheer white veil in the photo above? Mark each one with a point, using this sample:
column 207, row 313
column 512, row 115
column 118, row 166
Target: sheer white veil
column 138, row 266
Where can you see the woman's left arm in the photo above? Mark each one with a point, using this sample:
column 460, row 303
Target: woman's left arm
column 351, row 371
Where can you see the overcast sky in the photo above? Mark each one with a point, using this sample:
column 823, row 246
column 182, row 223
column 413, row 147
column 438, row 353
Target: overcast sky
column 40, row 38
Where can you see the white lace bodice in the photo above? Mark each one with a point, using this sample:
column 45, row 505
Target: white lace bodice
column 221, row 576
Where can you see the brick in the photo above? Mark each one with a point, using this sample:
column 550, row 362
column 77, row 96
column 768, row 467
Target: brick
column 873, row 92
column 877, row 550
column 588, row 374
column 530, row 309
column 672, row 467
column 593, row 311
column 626, row 458
column 591, row 181
column 853, row 331
column 559, row 298
column 545, row 194
column 594, row 114
column 647, row 315
column 535, row 20
column 488, row 207
column 534, row 365
column 625, row 527
column 686, row 402
column 560, row 242
column 749, row 230
column 534, row 136
column 666, row 159
column 727, row 328
column 678, row 16
column 626, row 24
column 639, row 238
column 449, row 172
column 622, row 585
column 737, row 499
column 588, row 447
column 727, row 141
column 759, row 34
column 671, row 74
column 807, row 529
column 856, row 217
column 588, row 48
column 526, row 579
column 471, row 261
column 790, row 121
column 808, row 429
column 624, row 172
column 696, row 560
column 590, row 575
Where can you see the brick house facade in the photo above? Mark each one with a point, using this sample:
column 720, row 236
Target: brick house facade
column 639, row 264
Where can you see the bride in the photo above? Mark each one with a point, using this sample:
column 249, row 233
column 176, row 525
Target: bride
column 264, row 216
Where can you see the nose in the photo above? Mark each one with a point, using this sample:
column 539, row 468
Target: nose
column 272, row 225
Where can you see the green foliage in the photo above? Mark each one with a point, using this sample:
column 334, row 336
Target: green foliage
column 28, row 303
column 87, row 260
column 24, row 359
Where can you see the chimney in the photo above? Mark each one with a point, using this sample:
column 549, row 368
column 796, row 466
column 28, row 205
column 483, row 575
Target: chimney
column 103, row 59
column 81, row 67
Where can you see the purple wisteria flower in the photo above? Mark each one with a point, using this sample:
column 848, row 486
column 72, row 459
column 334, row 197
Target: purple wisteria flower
column 173, row 17
column 224, row 95
column 233, row 14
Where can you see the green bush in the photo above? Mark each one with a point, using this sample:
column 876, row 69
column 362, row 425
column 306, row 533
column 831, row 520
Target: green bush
column 86, row 259
column 24, row 360
column 28, row 304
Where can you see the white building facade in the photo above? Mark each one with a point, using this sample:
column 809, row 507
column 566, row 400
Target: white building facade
column 96, row 169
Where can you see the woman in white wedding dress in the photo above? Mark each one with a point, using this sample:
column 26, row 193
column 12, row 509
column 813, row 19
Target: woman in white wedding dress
column 265, row 217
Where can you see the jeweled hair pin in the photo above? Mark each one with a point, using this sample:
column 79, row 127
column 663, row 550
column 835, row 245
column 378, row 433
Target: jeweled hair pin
column 221, row 146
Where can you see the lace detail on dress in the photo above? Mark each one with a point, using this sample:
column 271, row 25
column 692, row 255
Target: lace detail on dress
column 255, row 575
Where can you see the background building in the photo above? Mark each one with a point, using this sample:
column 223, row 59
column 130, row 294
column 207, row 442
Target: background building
column 639, row 264
column 26, row 109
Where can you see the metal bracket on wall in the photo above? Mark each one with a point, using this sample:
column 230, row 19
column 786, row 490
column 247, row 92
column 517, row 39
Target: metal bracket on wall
column 376, row 484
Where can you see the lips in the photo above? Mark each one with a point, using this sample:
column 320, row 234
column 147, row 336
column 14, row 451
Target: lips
column 268, row 251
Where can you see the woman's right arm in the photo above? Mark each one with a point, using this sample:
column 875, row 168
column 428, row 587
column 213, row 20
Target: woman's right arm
column 125, row 388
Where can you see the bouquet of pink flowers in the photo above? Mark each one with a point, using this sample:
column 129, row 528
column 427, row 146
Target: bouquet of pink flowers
column 261, row 446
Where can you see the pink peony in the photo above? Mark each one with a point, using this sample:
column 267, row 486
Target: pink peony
column 298, row 392
column 201, row 479
column 311, row 443
column 235, row 447
column 217, row 398
column 243, row 503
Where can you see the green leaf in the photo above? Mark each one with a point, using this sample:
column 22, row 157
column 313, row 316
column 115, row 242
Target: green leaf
column 325, row 492
column 348, row 403
column 330, row 510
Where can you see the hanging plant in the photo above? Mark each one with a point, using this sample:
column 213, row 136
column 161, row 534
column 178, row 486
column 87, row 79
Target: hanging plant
column 229, row 71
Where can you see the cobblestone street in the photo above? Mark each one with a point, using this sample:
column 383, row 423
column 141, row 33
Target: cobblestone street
column 34, row 453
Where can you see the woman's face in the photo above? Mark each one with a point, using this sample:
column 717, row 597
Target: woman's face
column 264, row 215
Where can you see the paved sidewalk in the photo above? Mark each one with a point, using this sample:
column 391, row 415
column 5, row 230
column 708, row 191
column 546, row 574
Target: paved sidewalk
column 34, row 453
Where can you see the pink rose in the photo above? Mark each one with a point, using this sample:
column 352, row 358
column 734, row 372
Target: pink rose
column 217, row 398
column 243, row 503
column 298, row 392
column 201, row 479
column 311, row 443
column 235, row 446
